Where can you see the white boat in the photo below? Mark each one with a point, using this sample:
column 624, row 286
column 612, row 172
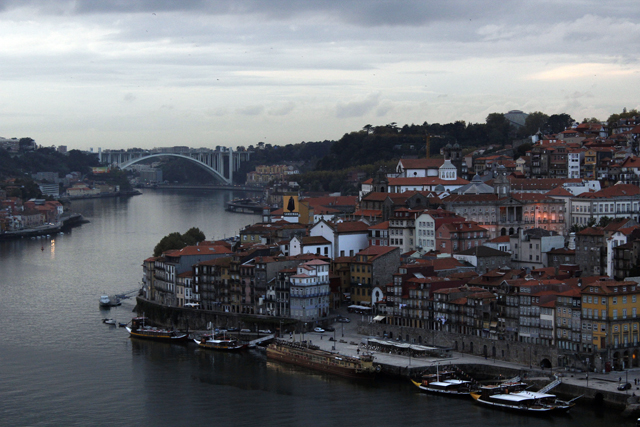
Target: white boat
column 109, row 321
column 107, row 301
column 444, row 383
column 522, row 401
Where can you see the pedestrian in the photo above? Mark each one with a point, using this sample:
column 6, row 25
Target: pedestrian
column 358, row 351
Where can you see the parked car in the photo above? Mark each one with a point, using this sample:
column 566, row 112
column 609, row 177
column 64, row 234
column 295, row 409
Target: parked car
column 316, row 329
column 245, row 330
column 265, row 331
column 343, row 319
column 233, row 329
column 329, row 329
column 625, row 386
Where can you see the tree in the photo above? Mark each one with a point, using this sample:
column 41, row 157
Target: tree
column 613, row 119
column 176, row 240
column 533, row 123
column 26, row 144
column 498, row 129
column 559, row 122
column 193, row 235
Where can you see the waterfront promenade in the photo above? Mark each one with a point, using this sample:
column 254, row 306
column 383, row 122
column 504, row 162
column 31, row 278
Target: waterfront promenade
column 589, row 383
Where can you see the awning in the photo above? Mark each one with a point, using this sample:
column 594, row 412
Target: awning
column 378, row 318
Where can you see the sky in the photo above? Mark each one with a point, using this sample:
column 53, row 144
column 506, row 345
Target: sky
column 118, row 74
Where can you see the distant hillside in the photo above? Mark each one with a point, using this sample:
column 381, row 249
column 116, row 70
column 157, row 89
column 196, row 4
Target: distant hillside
column 384, row 143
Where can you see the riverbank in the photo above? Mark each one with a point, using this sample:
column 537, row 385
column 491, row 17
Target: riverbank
column 65, row 222
column 599, row 389
column 205, row 187
column 102, row 195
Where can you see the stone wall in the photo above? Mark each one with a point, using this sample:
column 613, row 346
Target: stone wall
column 194, row 319
column 509, row 351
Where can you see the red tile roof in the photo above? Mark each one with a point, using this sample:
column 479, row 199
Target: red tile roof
column 618, row 190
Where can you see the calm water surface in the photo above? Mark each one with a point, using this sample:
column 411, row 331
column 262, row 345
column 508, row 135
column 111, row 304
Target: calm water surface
column 60, row 366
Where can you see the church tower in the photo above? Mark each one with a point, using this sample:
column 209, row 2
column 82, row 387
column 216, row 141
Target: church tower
column 502, row 185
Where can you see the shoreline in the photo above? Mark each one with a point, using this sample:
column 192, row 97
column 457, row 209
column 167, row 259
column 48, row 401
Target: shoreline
column 64, row 223
column 595, row 388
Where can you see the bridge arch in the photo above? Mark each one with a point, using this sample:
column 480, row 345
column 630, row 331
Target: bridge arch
column 205, row 166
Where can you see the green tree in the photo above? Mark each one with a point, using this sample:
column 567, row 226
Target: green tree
column 613, row 119
column 559, row 122
column 193, row 235
column 533, row 123
column 176, row 240
column 498, row 129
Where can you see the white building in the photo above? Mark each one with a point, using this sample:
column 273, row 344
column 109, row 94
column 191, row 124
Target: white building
column 310, row 291
column 618, row 201
column 347, row 237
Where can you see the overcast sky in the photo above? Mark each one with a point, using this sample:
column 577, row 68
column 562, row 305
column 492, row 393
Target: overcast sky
column 126, row 73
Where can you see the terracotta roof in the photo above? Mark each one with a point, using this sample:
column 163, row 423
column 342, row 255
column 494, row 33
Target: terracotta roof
column 559, row 191
column 429, row 180
column 352, row 227
column 376, row 251
column 616, row 224
column 198, row 250
column 591, row 231
column 375, row 196
column 314, row 240
column 618, row 190
column 610, row 287
column 483, row 252
column 382, row 226
column 501, row 239
column 463, row 226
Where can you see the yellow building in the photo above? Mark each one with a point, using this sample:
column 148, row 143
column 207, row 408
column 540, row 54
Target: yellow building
column 610, row 323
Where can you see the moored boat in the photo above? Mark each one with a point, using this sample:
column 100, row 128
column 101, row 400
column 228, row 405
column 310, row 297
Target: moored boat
column 321, row 360
column 140, row 329
column 521, row 401
column 107, row 301
column 223, row 343
column 444, row 383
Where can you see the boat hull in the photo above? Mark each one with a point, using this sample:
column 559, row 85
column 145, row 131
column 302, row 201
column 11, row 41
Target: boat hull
column 163, row 336
column 220, row 346
column 535, row 409
column 427, row 389
column 321, row 362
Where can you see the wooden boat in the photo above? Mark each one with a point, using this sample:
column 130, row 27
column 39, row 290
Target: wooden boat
column 444, row 383
column 521, row 401
column 313, row 357
column 223, row 343
column 140, row 329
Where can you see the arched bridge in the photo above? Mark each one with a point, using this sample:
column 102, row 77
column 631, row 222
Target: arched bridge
column 221, row 162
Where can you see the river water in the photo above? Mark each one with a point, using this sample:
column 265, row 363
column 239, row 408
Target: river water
column 61, row 366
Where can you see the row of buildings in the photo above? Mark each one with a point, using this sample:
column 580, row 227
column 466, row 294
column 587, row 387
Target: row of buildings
column 16, row 215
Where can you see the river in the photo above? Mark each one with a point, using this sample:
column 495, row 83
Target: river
column 61, row 366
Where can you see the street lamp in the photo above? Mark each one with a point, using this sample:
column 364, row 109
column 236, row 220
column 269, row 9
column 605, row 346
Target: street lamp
column 587, row 380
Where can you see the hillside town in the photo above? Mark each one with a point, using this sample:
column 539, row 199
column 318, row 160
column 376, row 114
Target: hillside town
column 533, row 260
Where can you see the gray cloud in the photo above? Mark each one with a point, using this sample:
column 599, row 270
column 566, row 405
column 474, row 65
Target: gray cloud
column 251, row 110
column 357, row 108
column 282, row 110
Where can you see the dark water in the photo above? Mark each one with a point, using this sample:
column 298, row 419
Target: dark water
column 60, row 366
